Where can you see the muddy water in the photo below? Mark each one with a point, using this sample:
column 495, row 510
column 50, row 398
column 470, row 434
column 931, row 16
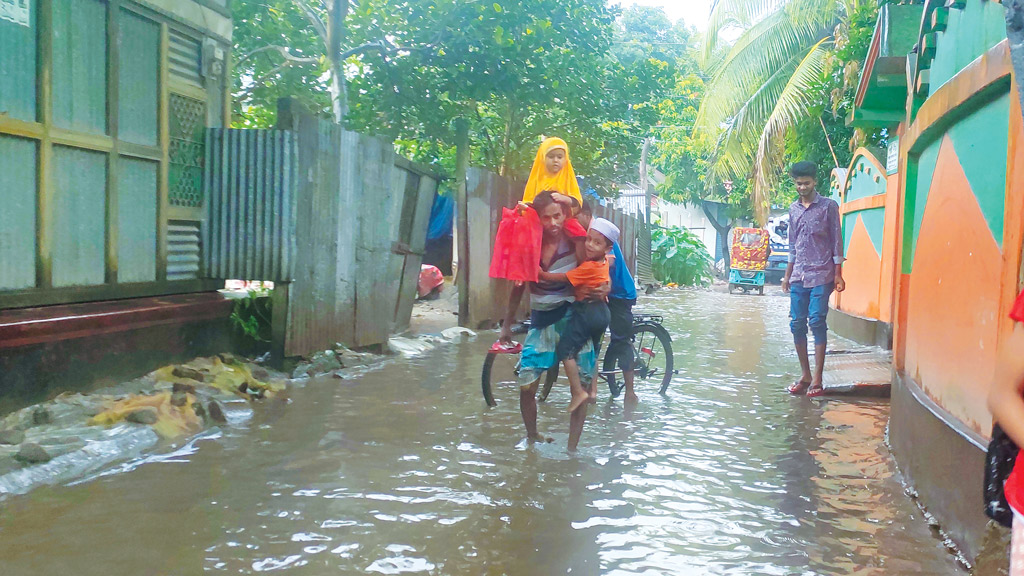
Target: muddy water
column 406, row 471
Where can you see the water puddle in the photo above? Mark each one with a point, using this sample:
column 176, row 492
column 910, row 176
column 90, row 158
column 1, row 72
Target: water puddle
column 406, row 471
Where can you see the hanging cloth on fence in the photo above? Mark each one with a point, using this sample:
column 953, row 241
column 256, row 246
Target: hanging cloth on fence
column 442, row 217
column 516, row 253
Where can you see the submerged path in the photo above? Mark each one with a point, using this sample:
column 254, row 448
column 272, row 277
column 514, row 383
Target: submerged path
column 405, row 470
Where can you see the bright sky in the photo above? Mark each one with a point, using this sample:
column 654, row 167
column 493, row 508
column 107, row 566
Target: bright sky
column 694, row 12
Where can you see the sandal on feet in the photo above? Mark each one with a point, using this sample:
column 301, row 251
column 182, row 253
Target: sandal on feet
column 799, row 387
column 815, row 391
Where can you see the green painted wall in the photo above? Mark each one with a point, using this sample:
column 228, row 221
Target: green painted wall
column 972, row 31
column 919, row 182
column 18, row 68
column 79, row 217
column 862, row 181
column 17, row 213
column 981, row 141
column 874, row 223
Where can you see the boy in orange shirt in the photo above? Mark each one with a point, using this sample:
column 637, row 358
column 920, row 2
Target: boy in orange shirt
column 589, row 319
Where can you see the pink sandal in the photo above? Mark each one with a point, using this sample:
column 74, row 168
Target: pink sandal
column 501, row 348
column 798, row 387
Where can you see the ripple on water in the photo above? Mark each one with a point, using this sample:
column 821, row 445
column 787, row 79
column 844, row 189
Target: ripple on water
column 728, row 475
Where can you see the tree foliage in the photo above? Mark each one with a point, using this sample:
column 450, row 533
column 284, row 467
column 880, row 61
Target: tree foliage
column 518, row 70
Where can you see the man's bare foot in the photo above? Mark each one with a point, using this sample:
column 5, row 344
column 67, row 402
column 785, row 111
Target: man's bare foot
column 631, row 397
column 540, row 438
column 592, row 393
column 578, row 401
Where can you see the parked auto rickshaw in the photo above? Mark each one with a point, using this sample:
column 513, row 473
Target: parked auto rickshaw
column 749, row 259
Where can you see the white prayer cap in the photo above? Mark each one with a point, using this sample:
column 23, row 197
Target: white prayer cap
column 606, row 228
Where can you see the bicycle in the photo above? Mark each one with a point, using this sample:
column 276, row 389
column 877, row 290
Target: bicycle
column 653, row 363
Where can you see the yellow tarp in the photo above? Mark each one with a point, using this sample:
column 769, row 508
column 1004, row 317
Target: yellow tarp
column 171, row 422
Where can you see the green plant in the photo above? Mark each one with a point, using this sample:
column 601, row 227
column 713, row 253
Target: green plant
column 251, row 315
column 679, row 256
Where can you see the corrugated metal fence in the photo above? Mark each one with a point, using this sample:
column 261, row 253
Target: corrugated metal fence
column 250, row 208
column 336, row 219
column 361, row 224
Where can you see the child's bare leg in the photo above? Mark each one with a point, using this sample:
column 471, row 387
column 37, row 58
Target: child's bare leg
column 627, row 377
column 593, row 390
column 576, row 420
column 579, row 395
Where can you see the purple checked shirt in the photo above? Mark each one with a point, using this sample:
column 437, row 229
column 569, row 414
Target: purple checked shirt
column 815, row 241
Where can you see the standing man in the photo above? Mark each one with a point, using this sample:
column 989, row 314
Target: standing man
column 815, row 269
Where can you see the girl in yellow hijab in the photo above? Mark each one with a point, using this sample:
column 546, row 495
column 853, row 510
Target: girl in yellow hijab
column 552, row 170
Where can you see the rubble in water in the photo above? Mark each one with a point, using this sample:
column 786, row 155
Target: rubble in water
column 75, row 433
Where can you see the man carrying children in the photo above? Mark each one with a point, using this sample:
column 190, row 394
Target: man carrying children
column 588, row 319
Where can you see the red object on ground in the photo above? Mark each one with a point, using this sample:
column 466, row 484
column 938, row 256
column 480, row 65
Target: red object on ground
column 516, row 253
column 574, row 229
column 499, row 348
column 430, row 278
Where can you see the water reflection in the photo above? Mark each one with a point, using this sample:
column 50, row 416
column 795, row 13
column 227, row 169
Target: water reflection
column 407, row 472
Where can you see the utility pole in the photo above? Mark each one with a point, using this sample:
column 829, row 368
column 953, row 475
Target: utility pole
column 643, row 179
column 461, row 202
column 644, row 269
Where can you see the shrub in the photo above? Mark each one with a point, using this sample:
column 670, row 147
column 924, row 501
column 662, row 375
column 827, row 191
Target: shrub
column 679, row 256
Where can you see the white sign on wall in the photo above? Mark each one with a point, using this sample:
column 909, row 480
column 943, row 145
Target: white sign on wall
column 16, row 11
column 892, row 157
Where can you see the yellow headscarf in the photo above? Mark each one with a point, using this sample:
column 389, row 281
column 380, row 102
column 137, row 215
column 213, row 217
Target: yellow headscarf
column 540, row 180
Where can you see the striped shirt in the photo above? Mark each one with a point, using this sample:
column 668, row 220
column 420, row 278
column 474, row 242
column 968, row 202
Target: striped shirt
column 550, row 295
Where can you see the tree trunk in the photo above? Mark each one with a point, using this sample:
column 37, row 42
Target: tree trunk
column 336, row 15
column 506, row 143
column 721, row 229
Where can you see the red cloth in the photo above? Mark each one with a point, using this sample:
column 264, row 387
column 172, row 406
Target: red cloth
column 573, row 229
column 1013, row 488
column 1017, row 313
column 516, row 253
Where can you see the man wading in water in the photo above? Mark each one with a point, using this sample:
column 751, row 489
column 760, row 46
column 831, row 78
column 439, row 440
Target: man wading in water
column 815, row 269
column 549, row 305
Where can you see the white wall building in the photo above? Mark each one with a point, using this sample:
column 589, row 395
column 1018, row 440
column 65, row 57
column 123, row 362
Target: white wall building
column 665, row 213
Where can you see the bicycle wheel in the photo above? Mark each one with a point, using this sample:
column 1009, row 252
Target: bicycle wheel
column 653, row 364
column 549, row 381
column 497, row 372
column 502, row 370
column 609, row 372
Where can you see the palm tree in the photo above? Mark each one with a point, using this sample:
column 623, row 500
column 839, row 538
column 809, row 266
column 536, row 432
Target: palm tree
column 763, row 83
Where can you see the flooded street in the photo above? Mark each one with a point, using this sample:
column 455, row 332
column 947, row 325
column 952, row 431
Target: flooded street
column 406, row 470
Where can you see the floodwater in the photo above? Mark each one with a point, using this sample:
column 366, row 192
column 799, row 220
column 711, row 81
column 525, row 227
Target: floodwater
column 406, row 471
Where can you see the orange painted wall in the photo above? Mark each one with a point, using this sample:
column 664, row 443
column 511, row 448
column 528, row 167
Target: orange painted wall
column 1013, row 223
column 890, row 250
column 862, row 272
column 867, row 291
column 954, row 297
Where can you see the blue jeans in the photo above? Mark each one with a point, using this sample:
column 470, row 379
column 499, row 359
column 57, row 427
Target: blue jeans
column 809, row 306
